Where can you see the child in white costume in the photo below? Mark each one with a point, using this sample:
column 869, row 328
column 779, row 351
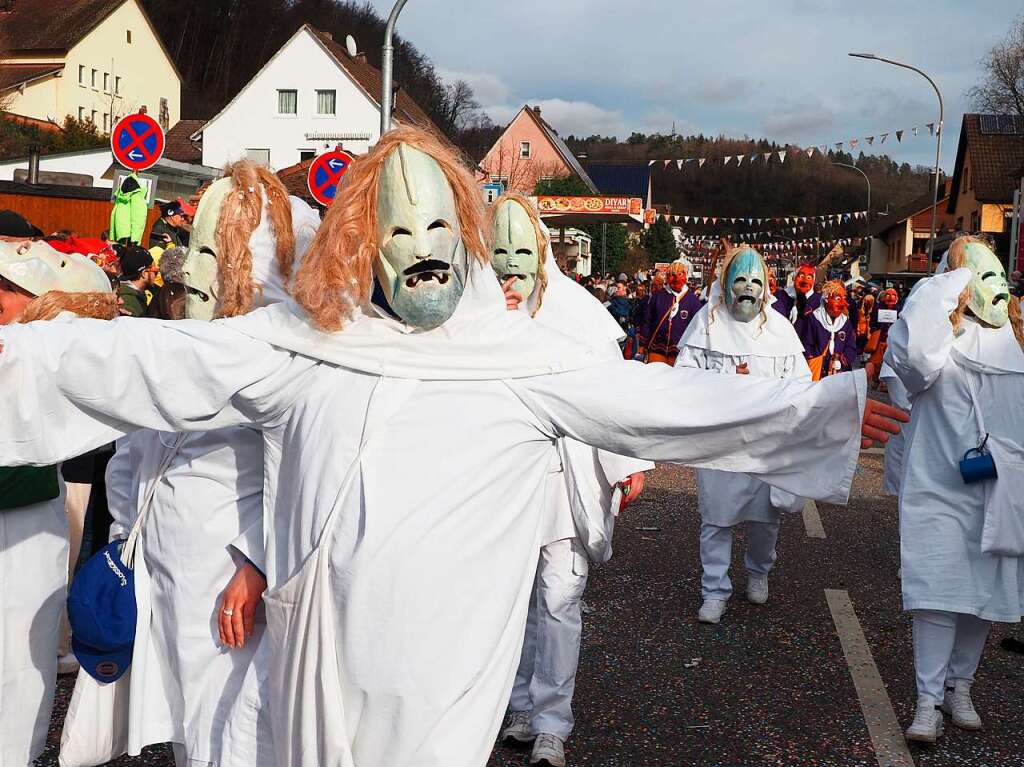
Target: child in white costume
column 738, row 332
column 957, row 348
column 581, row 495
column 36, row 283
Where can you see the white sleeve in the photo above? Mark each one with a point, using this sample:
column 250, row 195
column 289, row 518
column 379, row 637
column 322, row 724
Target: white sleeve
column 798, row 436
column 922, row 337
column 692, row 357
column 118, row 480
column 74, row 386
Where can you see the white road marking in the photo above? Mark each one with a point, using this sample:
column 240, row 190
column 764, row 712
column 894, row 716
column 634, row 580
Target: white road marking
column 812, row 520
column 883, row 727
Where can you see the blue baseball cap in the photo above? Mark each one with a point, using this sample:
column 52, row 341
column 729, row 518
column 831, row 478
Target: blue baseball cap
column 102, row 614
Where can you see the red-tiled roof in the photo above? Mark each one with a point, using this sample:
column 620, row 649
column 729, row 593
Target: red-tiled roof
column 368, row 77
column 995, row 157
column 52, row 25
column 179, row 147
column 13, row 75
column 294, row 179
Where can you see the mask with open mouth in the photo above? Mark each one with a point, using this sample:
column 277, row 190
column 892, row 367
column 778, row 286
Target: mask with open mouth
column 201, row 266
column 516, row 252
column 745, row 281
column 422, row 263
column 989, row 297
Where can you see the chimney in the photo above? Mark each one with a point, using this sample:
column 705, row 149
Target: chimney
column 328, row 35
column 33, row 164
column 536, row 111
column 361, row 57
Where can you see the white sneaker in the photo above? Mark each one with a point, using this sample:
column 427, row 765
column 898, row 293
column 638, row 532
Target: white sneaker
column 67, row 664
column 517, row 728
column 548, row 749
column 957, row 703
column 711, row 611
column 757, row 589
column 927, row 725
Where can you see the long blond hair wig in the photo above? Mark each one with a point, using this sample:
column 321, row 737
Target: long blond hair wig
column 336, row 274
column 97, row 306
column 956, row 258
column 542, row 240
column 240, row 215
column 723, row 270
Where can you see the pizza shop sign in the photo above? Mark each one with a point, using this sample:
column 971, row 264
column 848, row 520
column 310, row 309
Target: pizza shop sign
column 632, row 206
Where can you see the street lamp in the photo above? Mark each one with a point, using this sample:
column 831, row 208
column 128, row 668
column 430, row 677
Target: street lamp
column 938, row 143
column 865, row 175
column 386, row 66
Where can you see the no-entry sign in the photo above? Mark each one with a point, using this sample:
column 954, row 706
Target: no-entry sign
column 137, row 142
column 325, row 173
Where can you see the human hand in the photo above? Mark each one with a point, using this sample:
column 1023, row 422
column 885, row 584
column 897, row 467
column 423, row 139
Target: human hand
column 632, row 486
column 238, row 603
column 880, row 420
column 512, row 297
column 742, row 369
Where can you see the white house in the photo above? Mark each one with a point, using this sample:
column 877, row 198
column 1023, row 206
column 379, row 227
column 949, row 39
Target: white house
column 96, row 60
column 312, row 95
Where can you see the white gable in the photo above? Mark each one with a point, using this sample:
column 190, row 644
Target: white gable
column 250, row 123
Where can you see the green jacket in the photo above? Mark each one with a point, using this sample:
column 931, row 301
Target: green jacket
column 128, row 218
column 134, row 300
column 27, row 485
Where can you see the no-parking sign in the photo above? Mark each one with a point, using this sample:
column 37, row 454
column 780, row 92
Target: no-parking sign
column 325, row 174
column 137, row 142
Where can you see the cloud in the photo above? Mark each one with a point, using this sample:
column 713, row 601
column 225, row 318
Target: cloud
column 489, row 89
column 580, row 118
column 801, row 122
column 722, row 91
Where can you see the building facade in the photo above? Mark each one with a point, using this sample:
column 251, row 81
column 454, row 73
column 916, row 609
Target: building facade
column 96, row 60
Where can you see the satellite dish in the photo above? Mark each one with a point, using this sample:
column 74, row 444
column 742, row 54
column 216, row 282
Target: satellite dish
column 350, row 46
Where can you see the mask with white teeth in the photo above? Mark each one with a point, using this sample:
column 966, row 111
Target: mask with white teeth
column 989, row 298
column 422, row 262
column 744, row 285
column 516, row 251
column 201, row 266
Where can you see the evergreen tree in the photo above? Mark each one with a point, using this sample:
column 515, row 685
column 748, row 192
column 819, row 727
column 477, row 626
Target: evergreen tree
column 659, row 242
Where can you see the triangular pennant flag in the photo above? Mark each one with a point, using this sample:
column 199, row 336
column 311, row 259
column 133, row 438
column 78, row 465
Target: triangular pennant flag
column 727, row 160
column 679, row 164
column 915, row 129
column 676, row 219
column 899, row 135
column 853, row 142
column 823, row 148
column 650, row 163
column 839, row 147
column 714, row 220
column 701, row 162
column 782, row 155
column 931, row 129
column 739, row 159
column 882, row 138
column 686, row 219
column 870, row 140
column 705, row 219
column 810, row 151
column 666, row 162
column 750, row 222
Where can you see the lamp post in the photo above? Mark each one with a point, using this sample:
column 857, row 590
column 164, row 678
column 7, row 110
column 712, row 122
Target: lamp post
column 938, row 144
column 386, row 63
column 868, row 180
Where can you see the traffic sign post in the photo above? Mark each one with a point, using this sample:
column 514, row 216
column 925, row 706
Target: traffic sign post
column 137, row 142
column 325, row 174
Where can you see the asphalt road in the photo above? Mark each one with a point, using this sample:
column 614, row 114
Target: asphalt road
column 769, row 686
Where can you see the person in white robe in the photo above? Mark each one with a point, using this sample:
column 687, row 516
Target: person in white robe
column 205, row 518
column 957, row 348
column 406, row 455
column 581, row 516
column 738, row 332
column 36, row 283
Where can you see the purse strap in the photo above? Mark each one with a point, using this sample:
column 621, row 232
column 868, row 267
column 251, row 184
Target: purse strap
column 132, row 542
column 976, row 407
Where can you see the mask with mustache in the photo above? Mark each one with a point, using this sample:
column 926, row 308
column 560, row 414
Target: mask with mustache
column 516, row 250
column 422, row 263
column 744, row 285
column 989, row 298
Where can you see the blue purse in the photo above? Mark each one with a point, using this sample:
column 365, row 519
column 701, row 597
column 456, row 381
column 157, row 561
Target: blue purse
column 979, row 466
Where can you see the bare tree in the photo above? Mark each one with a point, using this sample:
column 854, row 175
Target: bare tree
column 1001, row 90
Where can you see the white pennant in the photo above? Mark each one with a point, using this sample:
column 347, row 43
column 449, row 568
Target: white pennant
column 679, row 164
column 810, row 151
column 701, row 162
column 650, row 163
column 782, row 156
column 727, row 160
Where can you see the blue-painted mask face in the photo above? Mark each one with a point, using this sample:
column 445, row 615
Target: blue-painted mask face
column 744, row 285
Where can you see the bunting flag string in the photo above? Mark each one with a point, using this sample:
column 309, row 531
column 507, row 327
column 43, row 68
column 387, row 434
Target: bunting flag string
column 824, row 219
column 781, row 154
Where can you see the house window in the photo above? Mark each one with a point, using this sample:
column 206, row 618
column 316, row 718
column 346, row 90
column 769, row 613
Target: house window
column 326, row 102
column 92, row 119
column 81, row 114
column 81, row 75
column 94, row 78
column 287, row 102
column 306, row 154
column 524, row 150
column 117, row 86
column 975, row 223
column 106, row 82
column 967, row 180
column 262, row 156
column 106, row 122
column 128, row 36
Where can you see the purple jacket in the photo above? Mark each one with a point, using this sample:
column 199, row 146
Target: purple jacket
column 815, row 339
column 667, row 330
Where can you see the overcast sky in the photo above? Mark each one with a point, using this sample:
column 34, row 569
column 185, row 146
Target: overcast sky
column 763, row 68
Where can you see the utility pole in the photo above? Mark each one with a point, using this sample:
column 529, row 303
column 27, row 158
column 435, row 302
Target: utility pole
column 386, row 66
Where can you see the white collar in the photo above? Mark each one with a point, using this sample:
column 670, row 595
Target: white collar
column 831, row 325
column 680, row 294
column 772, row 337
column 988, row 350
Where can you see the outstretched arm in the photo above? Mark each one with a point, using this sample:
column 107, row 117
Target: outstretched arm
column 922, row 337
column 70, row 387
column 801, row 437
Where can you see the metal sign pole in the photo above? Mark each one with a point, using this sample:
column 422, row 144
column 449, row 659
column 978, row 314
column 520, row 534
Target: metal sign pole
column 387, row 63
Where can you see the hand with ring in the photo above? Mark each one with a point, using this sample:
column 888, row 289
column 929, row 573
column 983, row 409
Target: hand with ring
column 238, row 604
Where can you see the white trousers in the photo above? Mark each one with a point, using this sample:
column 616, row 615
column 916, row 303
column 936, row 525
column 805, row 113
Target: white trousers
column 947, row 646
column 716, row 555
column 546, row 677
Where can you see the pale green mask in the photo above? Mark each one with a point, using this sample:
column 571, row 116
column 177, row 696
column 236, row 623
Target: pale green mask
column 516, row 250
column 201, row 265
column 422, row 264
column 989, row 298
column 744, row 288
